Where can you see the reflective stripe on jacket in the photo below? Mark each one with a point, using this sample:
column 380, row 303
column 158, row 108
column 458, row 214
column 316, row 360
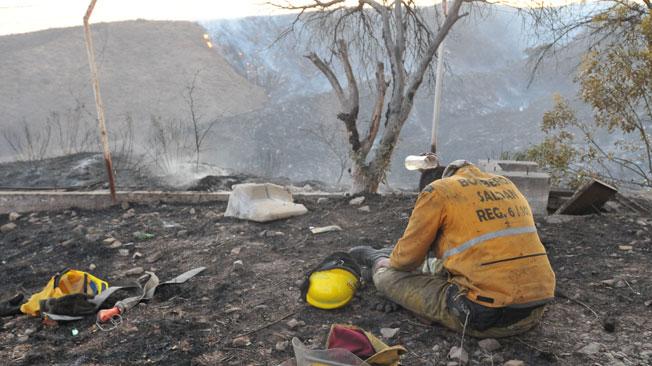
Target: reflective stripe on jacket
column 482, row 228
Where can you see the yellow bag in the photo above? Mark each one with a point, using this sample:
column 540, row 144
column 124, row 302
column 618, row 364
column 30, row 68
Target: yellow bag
column 68, row 282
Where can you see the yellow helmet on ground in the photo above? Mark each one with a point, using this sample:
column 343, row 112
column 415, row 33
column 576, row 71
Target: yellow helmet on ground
column 332, row 284
column 331, row 289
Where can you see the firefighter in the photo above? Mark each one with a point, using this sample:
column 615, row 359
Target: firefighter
column 490, row 275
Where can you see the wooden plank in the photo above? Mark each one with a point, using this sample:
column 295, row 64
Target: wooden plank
column 588, row 199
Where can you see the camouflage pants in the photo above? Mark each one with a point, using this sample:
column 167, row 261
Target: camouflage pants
column 424, row 294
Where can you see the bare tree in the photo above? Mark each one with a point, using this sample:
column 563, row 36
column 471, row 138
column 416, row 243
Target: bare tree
column 381, row 31
column 27, row 143
column 200, row 130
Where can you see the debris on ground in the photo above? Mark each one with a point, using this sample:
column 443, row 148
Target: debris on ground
column 262, row 203
column 459, row 355
column 357, row 201
column 325, row 229
column 7, row 228
column 588, row 199
column 583, row 252
column 489, row 345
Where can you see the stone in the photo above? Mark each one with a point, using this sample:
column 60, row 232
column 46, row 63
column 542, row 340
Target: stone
column 282, row 346
column 389, row 333
column 137, row 255
column 115, row 244
column 648, row 303
column 238, row 266
column 357, row 201
column 93, row 237
column 135, row 271
column 590, row 349
column 559, row 219
column 489, row 345
column 124, row 205
column 108, row 240
column 609, row 282
column 459, row 354
column 236, row 251
column 212, row 215
column 154, row 257
column 625, row 247
column 436, row 348
column 91, row 267
column 192, row 211
column 182, row 233
column 13, row 216
column 7, row 227
column 123, row 252
column 29, row 331
column 514, row 363
column 322, row 200
column 262, row 203
column 79, row 230
column 129, row 214
column 294, row 324
column 241, row 341
column 364, row 209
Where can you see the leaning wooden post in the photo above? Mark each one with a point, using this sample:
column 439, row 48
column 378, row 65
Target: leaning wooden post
column 104, row 136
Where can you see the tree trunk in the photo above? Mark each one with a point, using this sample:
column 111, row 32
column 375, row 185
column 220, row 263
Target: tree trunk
column 364, row 179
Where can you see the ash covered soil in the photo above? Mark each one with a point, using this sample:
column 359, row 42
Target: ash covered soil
column 196, row 323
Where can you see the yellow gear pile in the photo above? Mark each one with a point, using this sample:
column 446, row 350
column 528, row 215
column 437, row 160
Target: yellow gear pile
column 68, row 282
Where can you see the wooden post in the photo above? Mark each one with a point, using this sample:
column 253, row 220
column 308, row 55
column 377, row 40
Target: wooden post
column 438, row 85
column 104, row 137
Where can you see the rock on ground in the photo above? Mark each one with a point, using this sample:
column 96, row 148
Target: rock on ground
column 7, row 227
column 591, row 348
column 489, row 345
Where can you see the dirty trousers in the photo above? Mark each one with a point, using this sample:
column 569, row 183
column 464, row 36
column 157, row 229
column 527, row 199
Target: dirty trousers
column 424, row 294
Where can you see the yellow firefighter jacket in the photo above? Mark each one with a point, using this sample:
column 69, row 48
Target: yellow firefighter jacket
column 482, row 228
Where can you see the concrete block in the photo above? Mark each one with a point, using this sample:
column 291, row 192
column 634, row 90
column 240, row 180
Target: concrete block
column 490, row 165
column 262, row 203
column 534, row 185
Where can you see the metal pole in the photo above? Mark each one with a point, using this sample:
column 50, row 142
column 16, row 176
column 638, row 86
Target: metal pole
column 104, row 136
column 438, row 86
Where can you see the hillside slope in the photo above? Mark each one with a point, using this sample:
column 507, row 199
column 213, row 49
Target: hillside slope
column 145, row 68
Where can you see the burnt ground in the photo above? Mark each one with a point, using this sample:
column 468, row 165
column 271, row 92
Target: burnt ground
column 195, row 323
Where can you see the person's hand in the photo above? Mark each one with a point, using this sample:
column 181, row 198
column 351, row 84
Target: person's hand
column 384, row 305
column 431, row 157
column 381, row 263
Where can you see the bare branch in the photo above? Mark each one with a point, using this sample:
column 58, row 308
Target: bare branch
column 417, row 75
column 330, row 75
